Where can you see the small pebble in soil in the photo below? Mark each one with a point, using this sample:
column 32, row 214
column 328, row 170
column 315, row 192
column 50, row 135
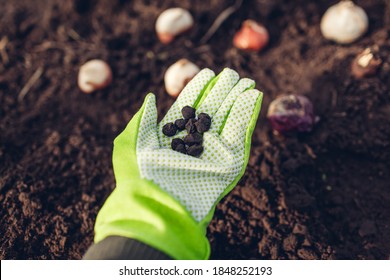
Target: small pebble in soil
column 192, row 139
column 251, row 37
column 203, row 124
column 176, row 142
column 291, row 113
column 190, row 126
column 365, row 64
column 344, row 22
column 188, row 112
column 195, row 150
column 169, row 129
column 180, row 124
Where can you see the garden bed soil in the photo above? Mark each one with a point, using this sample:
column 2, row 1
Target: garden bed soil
column 320, row 195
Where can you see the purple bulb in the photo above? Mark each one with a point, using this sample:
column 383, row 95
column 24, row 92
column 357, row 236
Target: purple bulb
column 291, row 113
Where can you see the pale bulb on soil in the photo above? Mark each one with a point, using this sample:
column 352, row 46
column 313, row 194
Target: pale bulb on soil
column 365, row 64
column 344, row 22
column 178, row 75
column 94, row 75
column 173, row 22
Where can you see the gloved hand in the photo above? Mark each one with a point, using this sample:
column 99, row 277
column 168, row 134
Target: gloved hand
column 164, row 198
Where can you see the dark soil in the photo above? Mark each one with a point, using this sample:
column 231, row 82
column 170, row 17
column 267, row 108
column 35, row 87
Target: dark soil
column 321, row 195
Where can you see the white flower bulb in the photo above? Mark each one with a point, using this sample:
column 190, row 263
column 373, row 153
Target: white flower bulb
column 344, row 22
column 178, row 75
column 93, row 75
column 173, row 22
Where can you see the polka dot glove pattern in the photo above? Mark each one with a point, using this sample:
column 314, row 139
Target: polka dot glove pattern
column 199, row 183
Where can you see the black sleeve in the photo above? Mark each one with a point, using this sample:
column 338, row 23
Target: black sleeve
column 123, row 248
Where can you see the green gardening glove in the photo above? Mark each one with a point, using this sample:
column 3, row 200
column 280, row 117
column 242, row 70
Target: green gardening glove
column 164, row 198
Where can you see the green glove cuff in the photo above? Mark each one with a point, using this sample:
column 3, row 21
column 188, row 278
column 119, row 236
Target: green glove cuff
column 142, row 211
